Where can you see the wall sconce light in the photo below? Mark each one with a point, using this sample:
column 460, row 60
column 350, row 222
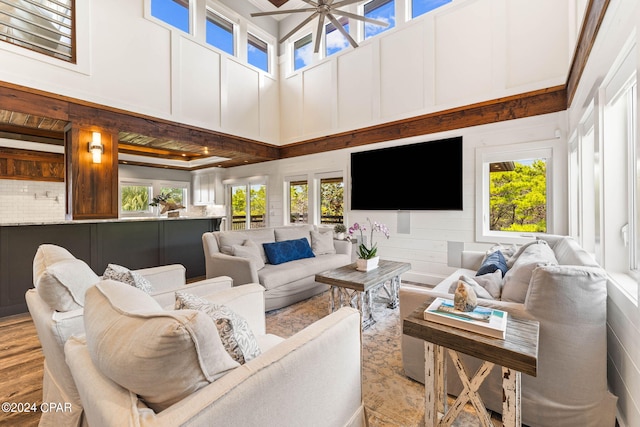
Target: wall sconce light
column 96, row 148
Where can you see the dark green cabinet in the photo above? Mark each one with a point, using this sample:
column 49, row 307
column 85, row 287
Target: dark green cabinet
column 133, row 244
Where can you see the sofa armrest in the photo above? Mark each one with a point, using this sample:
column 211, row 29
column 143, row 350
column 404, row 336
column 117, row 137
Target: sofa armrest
column 343, row 247
column 166, row 298
column 164, row 277
column 241, row 270
column 326, row 357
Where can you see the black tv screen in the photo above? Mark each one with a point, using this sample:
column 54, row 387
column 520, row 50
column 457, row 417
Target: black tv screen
column 423, row 176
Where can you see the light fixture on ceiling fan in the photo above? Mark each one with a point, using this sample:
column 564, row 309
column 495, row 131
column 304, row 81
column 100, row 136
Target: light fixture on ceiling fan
column 324, row 9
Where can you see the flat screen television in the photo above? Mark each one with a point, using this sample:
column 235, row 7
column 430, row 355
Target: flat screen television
column 422, row 176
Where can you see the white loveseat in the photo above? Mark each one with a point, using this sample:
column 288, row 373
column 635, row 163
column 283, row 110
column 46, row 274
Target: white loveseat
column 559, row 284
column 56, row 306
column 226, row 254
column 137, row 356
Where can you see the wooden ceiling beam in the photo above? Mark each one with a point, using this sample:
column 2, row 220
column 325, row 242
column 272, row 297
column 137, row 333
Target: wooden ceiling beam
column 534, row 103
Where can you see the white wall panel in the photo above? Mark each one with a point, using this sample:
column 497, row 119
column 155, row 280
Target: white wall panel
column 269, row 116
column 240, row 99
column 402, row 71
column 318, row 97
column 536, row 55
column 355, row 81
column 290, row 107
column 198, row 90
column 464, row 59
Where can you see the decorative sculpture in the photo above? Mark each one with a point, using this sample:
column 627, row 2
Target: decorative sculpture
column 465, row 298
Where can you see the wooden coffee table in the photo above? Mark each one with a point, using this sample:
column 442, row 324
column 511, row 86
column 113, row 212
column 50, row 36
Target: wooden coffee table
column 517, row 353
column 355, row 288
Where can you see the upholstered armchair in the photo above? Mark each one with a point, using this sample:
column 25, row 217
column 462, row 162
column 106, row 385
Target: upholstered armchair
column 56, row 306
column 139, row 364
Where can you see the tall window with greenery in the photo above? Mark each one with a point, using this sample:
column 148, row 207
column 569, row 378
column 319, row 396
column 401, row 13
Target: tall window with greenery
column 331, row 200
column 518, row 196
column 248, row 206
column 298, row 201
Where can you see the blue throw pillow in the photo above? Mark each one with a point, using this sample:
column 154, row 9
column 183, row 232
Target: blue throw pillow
column 288, row 250
column 493, row 262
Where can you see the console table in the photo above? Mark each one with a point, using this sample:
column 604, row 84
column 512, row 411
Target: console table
column 517, row 354
column 357, row 287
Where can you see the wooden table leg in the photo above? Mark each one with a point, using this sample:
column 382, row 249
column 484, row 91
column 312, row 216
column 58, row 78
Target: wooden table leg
column 434, row 374
column 511, row 395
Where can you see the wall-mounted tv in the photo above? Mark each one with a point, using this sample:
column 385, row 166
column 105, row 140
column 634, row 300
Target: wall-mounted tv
column 422, row 176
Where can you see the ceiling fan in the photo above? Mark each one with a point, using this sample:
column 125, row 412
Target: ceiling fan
column 324, row 9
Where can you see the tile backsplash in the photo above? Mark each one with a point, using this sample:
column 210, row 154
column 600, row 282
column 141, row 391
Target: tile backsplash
column 31, row 201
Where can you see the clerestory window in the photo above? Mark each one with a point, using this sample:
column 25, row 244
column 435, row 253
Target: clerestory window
column 381, row 10
column 173, row 12
column 44, row 26
column 220, row 32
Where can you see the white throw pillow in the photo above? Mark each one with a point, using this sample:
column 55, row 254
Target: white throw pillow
column 47, row 255
column 322, row 243
column 516, row 281
column 62, row 285
column 293, row 232
column 235, row 333
column 161, row 355
column 249, row 250
column 124, row 275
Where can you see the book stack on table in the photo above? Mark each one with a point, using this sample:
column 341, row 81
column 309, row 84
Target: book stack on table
column 483, row 320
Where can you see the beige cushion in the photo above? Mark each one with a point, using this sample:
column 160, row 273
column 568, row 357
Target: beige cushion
column 250, row 251
column 162, row 356
column 47, row 255
column 62, row 285
column 293, row 233
column 322, row 243
column 516, row 281
column 259, row 236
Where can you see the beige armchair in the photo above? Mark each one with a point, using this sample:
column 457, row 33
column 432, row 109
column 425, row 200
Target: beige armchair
column 56, row 306
column 141, row 365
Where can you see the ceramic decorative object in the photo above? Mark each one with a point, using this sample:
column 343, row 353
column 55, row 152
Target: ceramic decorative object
column 367, row 264
column 465, row 298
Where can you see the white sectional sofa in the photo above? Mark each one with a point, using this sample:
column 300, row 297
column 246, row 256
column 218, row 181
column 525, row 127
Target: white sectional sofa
column 56, row 305
column 558, row 283
column 241, row 256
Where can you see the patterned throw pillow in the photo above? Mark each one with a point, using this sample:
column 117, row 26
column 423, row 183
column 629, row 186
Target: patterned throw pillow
column 124, row 275
column 235, row 334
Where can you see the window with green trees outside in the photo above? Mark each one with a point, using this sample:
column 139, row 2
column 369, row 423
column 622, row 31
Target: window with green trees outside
column 518, row 196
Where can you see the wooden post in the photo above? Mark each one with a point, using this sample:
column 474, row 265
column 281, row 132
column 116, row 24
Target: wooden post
column 91, row 188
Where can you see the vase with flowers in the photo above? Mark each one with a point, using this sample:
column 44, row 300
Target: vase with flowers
column 368, row 254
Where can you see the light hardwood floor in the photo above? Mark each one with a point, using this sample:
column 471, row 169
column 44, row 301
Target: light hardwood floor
column 21, row 368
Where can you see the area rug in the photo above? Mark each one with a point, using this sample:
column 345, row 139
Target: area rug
column 390, row 398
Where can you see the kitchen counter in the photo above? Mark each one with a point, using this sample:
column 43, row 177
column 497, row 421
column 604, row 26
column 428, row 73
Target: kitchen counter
column 129, row 219
column 132, row 242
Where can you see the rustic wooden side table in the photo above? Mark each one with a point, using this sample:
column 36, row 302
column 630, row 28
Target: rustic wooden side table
column 355, row 288
column 517, row 354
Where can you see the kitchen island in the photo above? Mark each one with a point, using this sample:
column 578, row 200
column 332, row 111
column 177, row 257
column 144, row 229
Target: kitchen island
column 133, row 243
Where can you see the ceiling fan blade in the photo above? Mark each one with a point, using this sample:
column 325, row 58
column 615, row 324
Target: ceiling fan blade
column 302, row 24
column 280, row 12
column 340, row 28
column 360, row 18
column 312, row 3
column 344, row 3
column 319, row 32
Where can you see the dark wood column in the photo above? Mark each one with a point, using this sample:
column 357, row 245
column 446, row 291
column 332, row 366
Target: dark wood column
column 91, row 188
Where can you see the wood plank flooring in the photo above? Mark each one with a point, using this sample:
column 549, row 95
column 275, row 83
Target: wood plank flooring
column 21, row 369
